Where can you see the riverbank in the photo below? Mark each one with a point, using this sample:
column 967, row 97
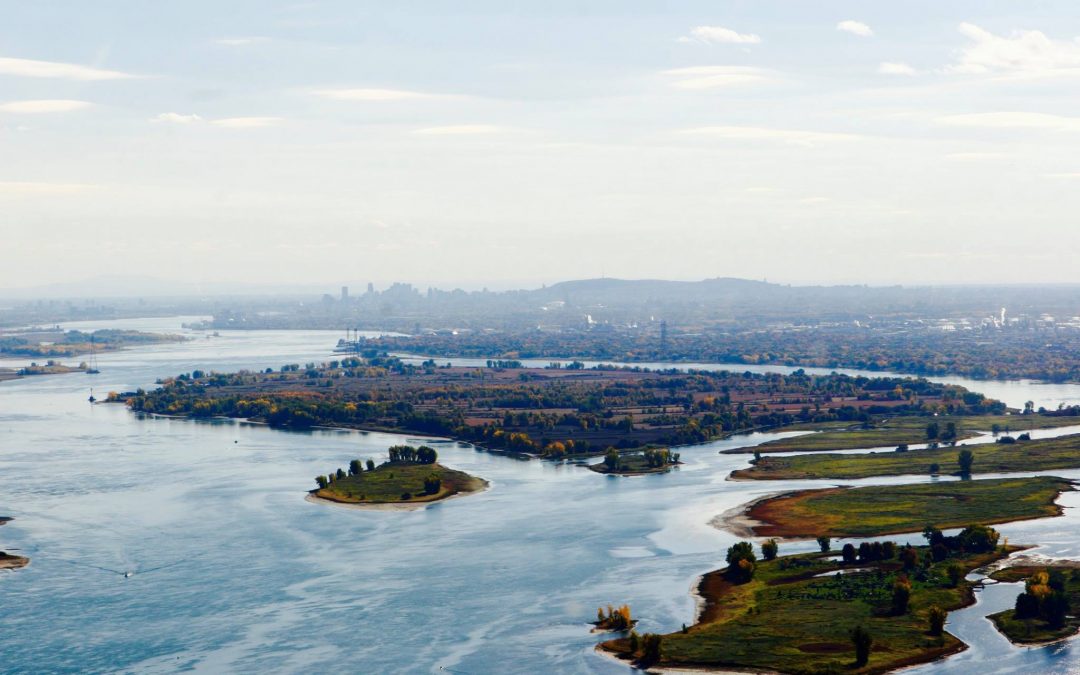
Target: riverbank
column 796, row 613
column 896, row 509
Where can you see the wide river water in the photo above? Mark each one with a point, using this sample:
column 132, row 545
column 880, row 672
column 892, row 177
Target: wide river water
column 235, row 572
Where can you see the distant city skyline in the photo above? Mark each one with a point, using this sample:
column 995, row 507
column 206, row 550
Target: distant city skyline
column 508, row 146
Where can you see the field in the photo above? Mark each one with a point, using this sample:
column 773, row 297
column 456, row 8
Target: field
column 387, row 484
column 893, row 509
column 906, row 430
column 790, row 619
column 1048, row 454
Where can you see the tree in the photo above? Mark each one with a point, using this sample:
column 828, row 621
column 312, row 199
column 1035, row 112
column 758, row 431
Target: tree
column 653, row 647
column 769, row 549
column 432, row 483
column 426, row 455
column 955, row 573
column 936, row 618
column 965, row 459
column 823, row 543
column 901, row 596
column 1056, row 609
column 932, row 431
column 356, row 467
column 740, row 560
column 340, row 474
column 978, row 538
column 1027, row 606
column 322, row 481
column 863, row 642
column 371, row 465
column 848, row 553
column 611, row 459
column 634, row 642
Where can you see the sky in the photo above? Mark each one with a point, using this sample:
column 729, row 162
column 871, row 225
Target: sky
column 505, row 144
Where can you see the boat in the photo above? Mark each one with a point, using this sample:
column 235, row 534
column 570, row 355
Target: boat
column 91, row 399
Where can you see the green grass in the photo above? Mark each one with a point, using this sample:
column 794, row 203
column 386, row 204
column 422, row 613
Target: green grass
column 1046, row 454
column 389, row 482
column 893, row 509
column 1035, row 631
column 785, row 621
column 910, row 430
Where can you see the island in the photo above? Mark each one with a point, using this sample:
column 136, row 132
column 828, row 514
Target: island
column 893, row 509
column 1044, row 611
column 649, row 460
column 411, row 477
column 9, row 561
column 48, row 343
column 819, row 612
column 907, row 430
column 1008, row 455
column 559, row 412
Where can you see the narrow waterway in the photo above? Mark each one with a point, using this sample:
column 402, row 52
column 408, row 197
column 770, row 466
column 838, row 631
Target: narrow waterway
column 234, row 572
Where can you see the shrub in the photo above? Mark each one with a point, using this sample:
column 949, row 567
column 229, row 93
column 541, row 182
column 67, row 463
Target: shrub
column 823, row 543
column 863, row 642
column 936, row 618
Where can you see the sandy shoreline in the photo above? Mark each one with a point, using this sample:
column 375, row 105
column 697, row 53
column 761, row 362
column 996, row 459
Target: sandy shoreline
column 737, row 519
column 390, row 506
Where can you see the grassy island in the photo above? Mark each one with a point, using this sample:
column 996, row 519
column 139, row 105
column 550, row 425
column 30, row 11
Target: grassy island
column 638, row 463
column 1047, row 454
column 811, row 613
column 893, row 509
column 897, row 431
column 412, row 476
column 1044, row 611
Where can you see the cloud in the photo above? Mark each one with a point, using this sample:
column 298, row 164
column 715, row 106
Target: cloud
column 33, row 188
column 241, row 41
column 895, row 68
column 855, row 28
column 462, row 129
column 375, row 95
column 710, row 77
column 974, row 156
column 248, row 122
column 1071, row 175
column 718, row 35
column 176, row 118
column 44, row 106
column 1023, row 52
column 1013, row 120
column 53, row 69
column 789, row 136
column 814, row 200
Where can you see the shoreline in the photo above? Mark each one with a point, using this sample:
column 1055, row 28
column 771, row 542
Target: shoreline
column 738, row 521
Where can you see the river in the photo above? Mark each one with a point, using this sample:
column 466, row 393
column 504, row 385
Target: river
column 234, row 572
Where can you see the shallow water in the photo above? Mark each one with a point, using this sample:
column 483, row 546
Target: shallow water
column 234, row 571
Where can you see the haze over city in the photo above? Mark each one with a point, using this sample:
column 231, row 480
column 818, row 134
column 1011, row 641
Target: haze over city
column 500, row 145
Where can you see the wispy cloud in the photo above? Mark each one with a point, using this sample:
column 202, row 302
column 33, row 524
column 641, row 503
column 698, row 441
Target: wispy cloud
column 974, row 156
column 720, row 35
column 895, row 68
column 176, row 118
column 241, row 41
column 247, row 122
column 1027, row 53
column 1013, row 120
column 855, row 28
column 463, row 129
column 35, row 188
column 43, row 106
column 374, row 95
column 768, row 134
column 710, row 77
column 54, row 69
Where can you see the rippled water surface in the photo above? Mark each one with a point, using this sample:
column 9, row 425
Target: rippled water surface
column 235, row 572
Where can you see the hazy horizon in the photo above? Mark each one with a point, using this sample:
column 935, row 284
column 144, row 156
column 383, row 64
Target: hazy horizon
column 481, row 145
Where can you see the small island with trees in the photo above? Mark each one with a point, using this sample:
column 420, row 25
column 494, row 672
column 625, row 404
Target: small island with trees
column 649, row 460
column 412, row 476
column 10, row 561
